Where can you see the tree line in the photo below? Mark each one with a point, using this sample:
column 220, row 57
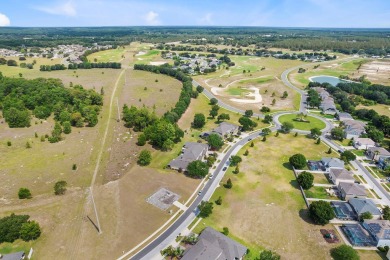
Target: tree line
column 75, row 106
column 95, row 65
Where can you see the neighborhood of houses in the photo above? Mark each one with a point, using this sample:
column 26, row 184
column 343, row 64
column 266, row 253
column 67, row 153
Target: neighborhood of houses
column 70, row 53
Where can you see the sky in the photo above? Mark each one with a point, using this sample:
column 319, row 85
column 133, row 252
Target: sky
column 275, row 13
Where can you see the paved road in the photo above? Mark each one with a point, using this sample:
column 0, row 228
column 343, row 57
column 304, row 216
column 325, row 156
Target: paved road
column 166, row 238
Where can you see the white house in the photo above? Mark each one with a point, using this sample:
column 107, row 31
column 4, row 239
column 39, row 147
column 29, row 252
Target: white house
column 363, row 143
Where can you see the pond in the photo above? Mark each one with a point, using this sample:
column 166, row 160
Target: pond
column 327, row 79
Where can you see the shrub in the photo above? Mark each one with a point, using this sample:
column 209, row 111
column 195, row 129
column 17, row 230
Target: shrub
column 225, row 231
column 9, row 143
column 24, row 193
column 305, row 179
column 60, row 187
column 144, row 158
column 205, row 209
column 298, row 161
column 30, row 231
column 321, row 212
column 344, row 252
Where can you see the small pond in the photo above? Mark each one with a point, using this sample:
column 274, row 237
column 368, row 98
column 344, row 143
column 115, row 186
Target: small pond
column 327, row 79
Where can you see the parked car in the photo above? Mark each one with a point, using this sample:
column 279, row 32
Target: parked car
column 211, row 176
column 224, row 168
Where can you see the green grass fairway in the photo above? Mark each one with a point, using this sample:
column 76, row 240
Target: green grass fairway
column 314, row 122
column 113, row 55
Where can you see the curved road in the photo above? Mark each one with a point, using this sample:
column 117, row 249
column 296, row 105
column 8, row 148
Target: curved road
column 165, row 239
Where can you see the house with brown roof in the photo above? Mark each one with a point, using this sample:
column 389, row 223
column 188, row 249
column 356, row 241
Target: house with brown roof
column 363, row 143
column 337, row 175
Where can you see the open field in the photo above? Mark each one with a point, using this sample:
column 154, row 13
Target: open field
column 377, row 71
column 379, row 108
column 160, row 96
column 230, row 84
column 265, row 208
column 113, row 55
column 13, row 71
column 335, row 69
column 313, row 122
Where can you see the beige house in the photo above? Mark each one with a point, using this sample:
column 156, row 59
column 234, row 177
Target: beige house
column 337, row 175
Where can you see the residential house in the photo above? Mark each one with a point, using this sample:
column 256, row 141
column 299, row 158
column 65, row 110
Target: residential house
column 328, row 106
column 13, row 256
column 363, row 143
column 365, row 205
column 330, row 162
column 374, row 153
column 351, row 190
column 342, row 116
column 353, row 128
column 191, row 152
column 213, row 245
column 224, row 130
column 380, row 230
column 337, row 175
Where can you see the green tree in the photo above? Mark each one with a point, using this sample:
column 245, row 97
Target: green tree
column 247, row 123
column 199, row 120
column 225, row 231
column 315, row 132
column 235, row 160
column 28, row 145
column 298, row 161
column 266, row 131
column 24, row 193
column 213, row 113
column 347, row 156
column 248, row 113
column 228, row 184
column 197, row 169
column 30, row 231
column 321, row 212
column 337, row 133
column 205, row 209
column 223, row 116
column 219, row 201
column 141, row 140
column 287, row 127
column 376, row 135
column 386, row 212
column 265, row 109
column 344, row 252
column 144, row 158
column 215, row 141
column 329, row 151
column 264, row 139
column 60, row 187
column 199, row 88
column 267, row 119
column 269, row 255
column 305, row 179
column 365, row 215
column 67, row 127
column 17, row 118
column 318, row 141
column 213, row 101
column 10, row 227
column 285, row 94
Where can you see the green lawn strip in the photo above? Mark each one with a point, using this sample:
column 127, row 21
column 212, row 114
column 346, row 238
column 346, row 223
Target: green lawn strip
column 16, row 246
column 358, row 152
column 313, row 122
column 318, row 193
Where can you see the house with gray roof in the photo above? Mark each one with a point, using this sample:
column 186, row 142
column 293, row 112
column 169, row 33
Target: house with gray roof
column 365, row 205
column 13, row 256
column 213, row 245
column 330, row 162
column 351, row 190
column 363, row 143
column 191, row 152
column 353, row 128
column 224, row 130
column 342, row 116
column 328, row 106
column 337, row 175
column 379, row 230
column 374, row 153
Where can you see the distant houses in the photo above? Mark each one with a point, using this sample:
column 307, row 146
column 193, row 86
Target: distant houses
column 191, row 152
column 213, row 245
column 327, row 103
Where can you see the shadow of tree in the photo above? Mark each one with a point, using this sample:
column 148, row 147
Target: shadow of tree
column 295, row 184
column 287, row 166
column 304, row 215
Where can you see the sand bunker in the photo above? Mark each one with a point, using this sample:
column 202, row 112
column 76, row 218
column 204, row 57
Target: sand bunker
column 255, row 94
column 140, row 53
column 157, row 63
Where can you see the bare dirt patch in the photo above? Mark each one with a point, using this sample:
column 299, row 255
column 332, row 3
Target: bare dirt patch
column 377, row 71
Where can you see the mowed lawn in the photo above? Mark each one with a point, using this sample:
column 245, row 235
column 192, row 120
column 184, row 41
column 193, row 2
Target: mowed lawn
column 314, row 122
column 113, row 55
column 264, row 209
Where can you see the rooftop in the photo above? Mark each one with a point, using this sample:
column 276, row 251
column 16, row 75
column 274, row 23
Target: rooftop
column 364, row 205
column 379, row 228
column 342, row 174
column 353, row 189
column 213, row 245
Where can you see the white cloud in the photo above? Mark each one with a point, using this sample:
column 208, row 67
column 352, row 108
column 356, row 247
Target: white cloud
column 151, row 18
column 66, row 9
column 4, row 20
column 207, row 19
